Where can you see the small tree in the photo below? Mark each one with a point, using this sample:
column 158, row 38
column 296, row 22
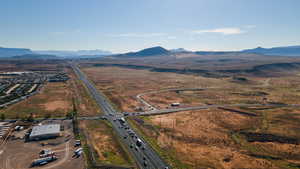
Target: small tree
column 30, row 118
column 47, row 116
column 2, row 117
column 70, row 115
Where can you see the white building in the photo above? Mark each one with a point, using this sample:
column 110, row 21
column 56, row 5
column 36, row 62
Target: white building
column 45, row 132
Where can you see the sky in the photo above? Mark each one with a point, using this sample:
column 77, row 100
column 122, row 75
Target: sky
column 130, row 25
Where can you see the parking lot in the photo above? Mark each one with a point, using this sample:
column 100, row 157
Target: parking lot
column 18, row 154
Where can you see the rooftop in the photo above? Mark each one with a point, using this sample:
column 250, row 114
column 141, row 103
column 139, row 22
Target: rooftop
column 45, row 129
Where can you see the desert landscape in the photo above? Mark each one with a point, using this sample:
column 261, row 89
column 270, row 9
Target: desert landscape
column 156, row 84
column 258, row 136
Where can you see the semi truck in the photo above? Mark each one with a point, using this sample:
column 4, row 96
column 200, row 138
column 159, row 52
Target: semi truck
column 43, row 161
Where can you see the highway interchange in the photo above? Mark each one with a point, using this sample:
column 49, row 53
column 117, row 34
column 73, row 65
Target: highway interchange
column 144, row 155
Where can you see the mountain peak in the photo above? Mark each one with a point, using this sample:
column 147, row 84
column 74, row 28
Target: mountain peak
column 153, row 51
column 283, row 51
column 8, row 52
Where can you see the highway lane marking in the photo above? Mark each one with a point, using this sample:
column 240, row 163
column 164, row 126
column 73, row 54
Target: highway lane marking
column 100, row 98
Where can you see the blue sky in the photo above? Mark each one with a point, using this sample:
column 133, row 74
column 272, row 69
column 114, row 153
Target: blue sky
column 126, row 25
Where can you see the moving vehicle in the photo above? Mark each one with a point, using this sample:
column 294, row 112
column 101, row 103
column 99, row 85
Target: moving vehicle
column 78, row 150
column 122, row 120
column 139, row 142
column 47, row 154
column 43, row 161
column 77, row 143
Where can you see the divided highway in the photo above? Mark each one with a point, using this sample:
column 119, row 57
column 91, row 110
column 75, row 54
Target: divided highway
column 143, row 154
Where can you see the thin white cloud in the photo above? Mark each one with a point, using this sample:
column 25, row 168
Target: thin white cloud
column 224, row 31
column 171, row 37
column 250, row 26
column 138, row 35
column 66, row 32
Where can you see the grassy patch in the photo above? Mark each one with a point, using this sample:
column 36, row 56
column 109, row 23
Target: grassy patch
column 169, row 155
column 54, row 100
column 86, row 104
column 106, row 144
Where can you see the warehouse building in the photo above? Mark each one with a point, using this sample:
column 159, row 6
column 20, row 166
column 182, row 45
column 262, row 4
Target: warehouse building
column 45, row 132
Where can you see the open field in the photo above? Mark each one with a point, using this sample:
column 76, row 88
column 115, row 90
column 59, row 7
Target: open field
column 224, row 65
column 54, row 99
column 215, row 138
column 220, row 139
column 31, row 65
column 122, row 85
column 86, row 106
column 105, row 144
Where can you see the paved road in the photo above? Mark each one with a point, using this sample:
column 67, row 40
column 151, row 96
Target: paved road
column 148, row 105
column 166, row 111
column 153, row 160
column 173, row 110
column 153, row 108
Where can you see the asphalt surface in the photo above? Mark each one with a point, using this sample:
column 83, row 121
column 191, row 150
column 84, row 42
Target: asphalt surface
column 143, row 154
column 173, row 110
column 153, row 108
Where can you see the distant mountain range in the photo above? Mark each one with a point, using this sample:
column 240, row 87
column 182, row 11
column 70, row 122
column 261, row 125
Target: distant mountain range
column 35, row 56
column 178, row 50
column 77, row 53
column 9, row 52
column 153, row 51
column 282, row 51
column 157, row 51
column 276, row 51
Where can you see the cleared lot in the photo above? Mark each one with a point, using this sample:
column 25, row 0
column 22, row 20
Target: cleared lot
column 253, row 137
column 107, row 148
column 55, row 99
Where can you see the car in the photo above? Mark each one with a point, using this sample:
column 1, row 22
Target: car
column 131, row 146
column 145, row 163
column 136, row 148
column 45, row 151
column 139, row 142
column 144, row 158
column 78, row 150
column 77, row 143
column 125, row 137
column 48, row 154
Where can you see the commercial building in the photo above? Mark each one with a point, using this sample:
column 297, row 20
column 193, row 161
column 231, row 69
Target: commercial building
column 45, row 132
